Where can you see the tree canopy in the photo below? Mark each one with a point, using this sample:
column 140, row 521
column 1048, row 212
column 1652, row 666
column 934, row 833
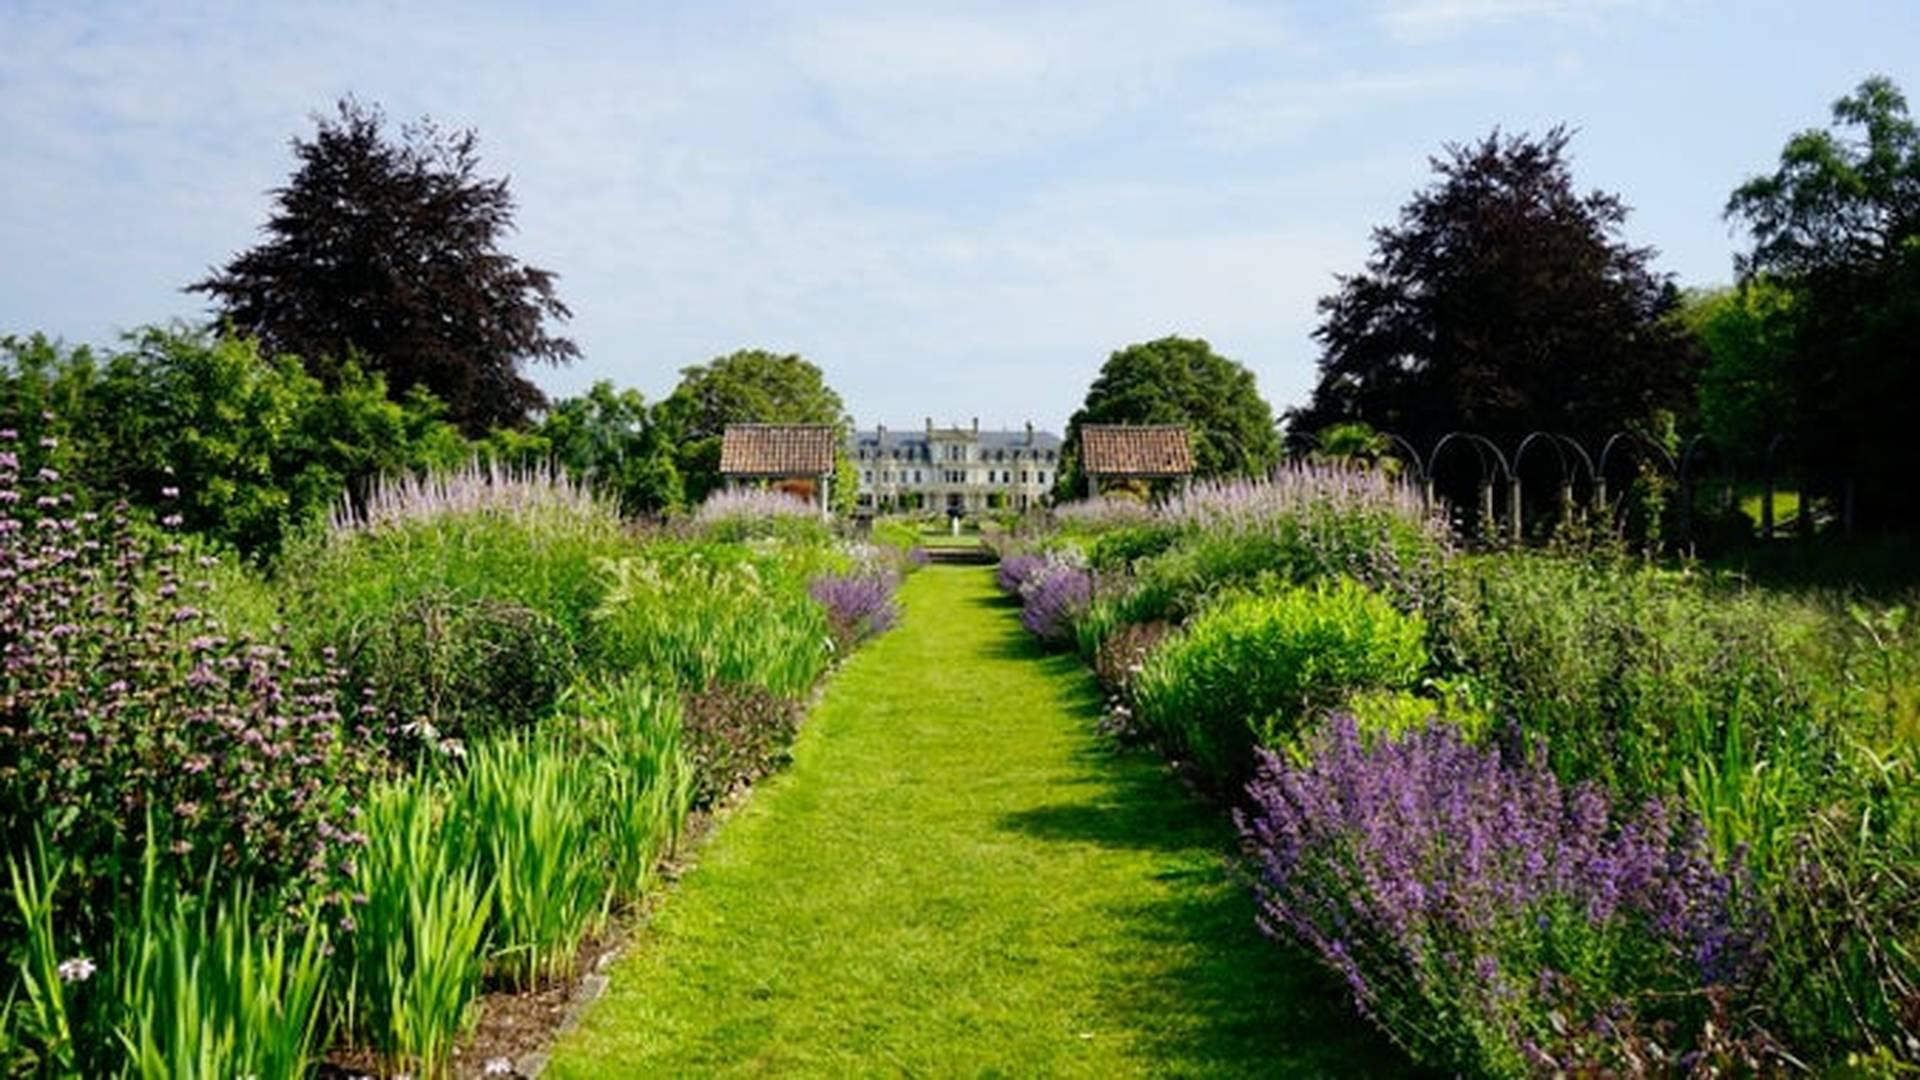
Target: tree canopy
column 607, row 438
column 389, row 251
column 1837, row 225
column 1177, row 380
column 1502, row 302
column 244, row 447
column 750, row 386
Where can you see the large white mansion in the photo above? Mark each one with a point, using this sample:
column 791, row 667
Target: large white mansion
column 954, row 468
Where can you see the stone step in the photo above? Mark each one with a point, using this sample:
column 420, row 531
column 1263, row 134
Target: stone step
column 973, row 555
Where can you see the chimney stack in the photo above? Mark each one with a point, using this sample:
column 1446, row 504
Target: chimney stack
column 976, row 425
column 880, row 435
column 929, row 427
column 1029, row 433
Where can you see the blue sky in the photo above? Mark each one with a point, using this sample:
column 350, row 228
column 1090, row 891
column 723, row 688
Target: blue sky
column 956, row 210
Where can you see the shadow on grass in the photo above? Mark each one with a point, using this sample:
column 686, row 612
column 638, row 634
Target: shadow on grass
column 1238, row 1004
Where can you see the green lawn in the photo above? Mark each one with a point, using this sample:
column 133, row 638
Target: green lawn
column 957, row 878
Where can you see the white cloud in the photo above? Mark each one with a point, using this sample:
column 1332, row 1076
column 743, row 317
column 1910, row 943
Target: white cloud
column 1426, row 19
column 1262, row 114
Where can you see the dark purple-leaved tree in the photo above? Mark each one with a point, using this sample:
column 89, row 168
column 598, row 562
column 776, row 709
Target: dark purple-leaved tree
column 389, row 252
column 1502, row 302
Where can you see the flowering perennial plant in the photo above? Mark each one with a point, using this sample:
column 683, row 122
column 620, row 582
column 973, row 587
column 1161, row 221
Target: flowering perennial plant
column 1490, row 919
column 751, row 513
column 1015, row 570
column 479, row 488
column 121, row 699
column 1097, row 514
column 1294, row 490
column 859, row 604
column 1053, row 596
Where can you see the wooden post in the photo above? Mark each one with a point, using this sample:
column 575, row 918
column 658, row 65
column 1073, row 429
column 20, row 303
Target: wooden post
column 1514, row 503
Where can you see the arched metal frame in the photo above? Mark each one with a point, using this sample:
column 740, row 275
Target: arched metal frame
column 1576, row 463
column 1482, row 448
column 1561, row 444
column 1803, row 515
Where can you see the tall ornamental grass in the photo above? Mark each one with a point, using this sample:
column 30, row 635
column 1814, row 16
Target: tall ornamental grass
column 1254, row 669
column 695, row 616
column 192, row 983
column 1492, row 920
column 417, row 949
column 525, row 810
column 495, row 873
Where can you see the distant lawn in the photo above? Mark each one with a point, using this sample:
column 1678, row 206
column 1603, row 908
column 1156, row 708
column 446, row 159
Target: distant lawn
column 957, row 878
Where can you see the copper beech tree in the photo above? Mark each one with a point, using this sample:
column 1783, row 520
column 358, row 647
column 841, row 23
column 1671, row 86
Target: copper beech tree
column 388, row 251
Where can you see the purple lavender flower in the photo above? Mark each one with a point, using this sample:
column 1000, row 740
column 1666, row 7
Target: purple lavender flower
column 858, row 604
column 1433, row 876
column 1054, row 595
column 1015, row 570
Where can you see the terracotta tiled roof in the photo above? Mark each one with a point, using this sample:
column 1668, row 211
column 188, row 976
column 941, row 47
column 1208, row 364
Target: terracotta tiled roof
column 777, row 450
column 1135, row 450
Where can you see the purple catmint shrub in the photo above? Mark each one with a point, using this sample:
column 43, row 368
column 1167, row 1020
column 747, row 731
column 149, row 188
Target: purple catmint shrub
column 122, row 702
column 1015, row 570
column 858, row 604
column 1481, row 911
column 1052, row 597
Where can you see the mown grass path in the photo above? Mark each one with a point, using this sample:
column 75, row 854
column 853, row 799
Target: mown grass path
column 956, row 878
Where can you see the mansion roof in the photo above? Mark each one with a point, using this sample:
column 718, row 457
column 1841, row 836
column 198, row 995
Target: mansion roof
column 914, row 443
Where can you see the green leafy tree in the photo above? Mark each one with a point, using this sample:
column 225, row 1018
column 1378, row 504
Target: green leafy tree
column 607, row 438
column 390, row 251
column 244, row 447
column 1502, row 302
column 751, row 386
column 1356, row 443
column 1744, row 337
column 1838, row 224
column 1178, row 380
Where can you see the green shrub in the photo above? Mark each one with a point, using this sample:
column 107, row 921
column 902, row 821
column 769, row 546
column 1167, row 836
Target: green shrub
column 1394, row 714
column 1120, row 548
column 1653, row 683
column 736, row 735
column 463, row 668
column 1252, row 668
column 256, row 446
